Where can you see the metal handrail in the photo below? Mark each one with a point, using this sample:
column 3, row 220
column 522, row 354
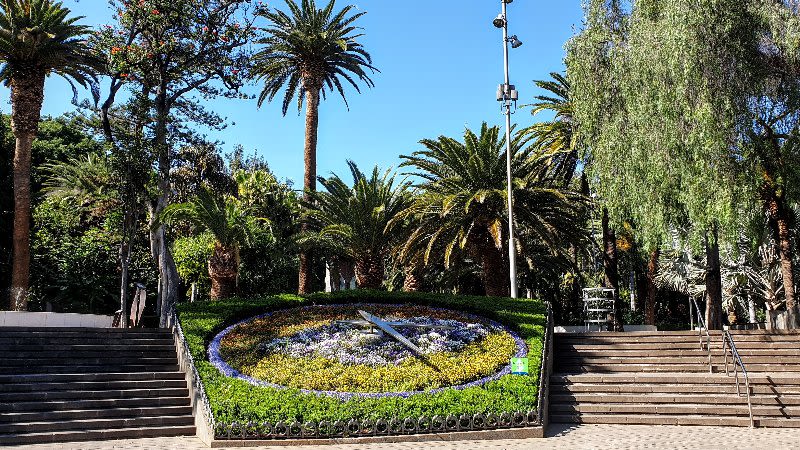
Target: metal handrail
column 727, row 341
column 701, row 323
column 544, row 382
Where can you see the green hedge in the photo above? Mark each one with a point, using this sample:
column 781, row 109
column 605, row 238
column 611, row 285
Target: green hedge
column 234, row 400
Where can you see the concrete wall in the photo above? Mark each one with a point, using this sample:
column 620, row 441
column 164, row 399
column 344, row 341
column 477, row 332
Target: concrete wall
column 49, row 319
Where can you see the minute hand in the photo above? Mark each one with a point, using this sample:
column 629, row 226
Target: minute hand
column 383, row 325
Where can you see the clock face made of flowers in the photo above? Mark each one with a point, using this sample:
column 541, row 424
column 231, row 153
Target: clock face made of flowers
column 367, row 350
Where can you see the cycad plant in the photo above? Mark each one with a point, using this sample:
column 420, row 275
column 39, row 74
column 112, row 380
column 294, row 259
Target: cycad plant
column 37, row 38
column 231, row 225
column 307, row 53
column 352, row 219
column 462, row 202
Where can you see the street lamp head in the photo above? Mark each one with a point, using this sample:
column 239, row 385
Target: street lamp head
column 499, row 21
column 515, row 43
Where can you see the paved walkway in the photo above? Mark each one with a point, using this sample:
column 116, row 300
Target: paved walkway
column 560, row 437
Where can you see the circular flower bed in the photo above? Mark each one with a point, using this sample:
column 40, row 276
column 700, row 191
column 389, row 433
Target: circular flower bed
column 319, row 349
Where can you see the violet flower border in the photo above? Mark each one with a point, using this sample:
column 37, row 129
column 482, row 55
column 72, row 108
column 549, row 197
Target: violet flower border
column 217, row 361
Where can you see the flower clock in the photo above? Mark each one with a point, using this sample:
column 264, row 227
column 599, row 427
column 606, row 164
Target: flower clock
column 366, row 350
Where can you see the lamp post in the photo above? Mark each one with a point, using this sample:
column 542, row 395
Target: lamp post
column 507, row 94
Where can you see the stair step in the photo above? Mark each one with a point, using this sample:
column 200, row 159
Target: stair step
column 95, row 424
column 60, row 355
column 728, row 389
column 75, row 369
column 66, row 361
column 654, row 419
column 95, row 435
column 80, row 414
column 92, row 377
column 687, row 409
column 47, row 396
column 660, row 398
column 94, row 404
column 91, row 386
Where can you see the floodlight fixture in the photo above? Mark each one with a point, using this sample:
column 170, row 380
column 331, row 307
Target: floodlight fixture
column 515, row 42
column 499, row 21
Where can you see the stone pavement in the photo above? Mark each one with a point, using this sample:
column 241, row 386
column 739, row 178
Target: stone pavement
column 560, row 437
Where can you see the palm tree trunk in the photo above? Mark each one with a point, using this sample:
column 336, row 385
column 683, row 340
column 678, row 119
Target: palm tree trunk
column 779, row 222
column 494, row 270
column 713, row 282
column 413, row 280
column 27, row 95
column 369, row 272
column 650, row 303
column 610, row 269
column 305, row 285
column 223, row 269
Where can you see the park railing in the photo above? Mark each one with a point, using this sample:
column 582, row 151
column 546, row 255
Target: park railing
column 729, row 347
column 703, row 329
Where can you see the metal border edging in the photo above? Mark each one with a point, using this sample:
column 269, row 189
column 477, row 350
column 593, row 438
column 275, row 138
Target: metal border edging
column 203, row 419
column 546, row 370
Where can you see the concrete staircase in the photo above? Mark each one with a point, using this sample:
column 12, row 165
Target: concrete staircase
column 78, row 384
column 663, row 378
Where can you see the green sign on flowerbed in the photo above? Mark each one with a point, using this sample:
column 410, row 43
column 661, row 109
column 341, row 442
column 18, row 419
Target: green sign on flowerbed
column 276, row 359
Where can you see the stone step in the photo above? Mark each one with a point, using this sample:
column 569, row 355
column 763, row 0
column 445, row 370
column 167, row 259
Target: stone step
column 61, row 332
column 746, row 359
column 715, row 353
column 104, row 348
column 68, row 405
column 77, row 369
column 659, row 398
column 611, row 368
column 91, row 377
column 656, row 419
column 111, row 360
column 109, row 413
column 674, row 409
column 729, row 389
column 130, row 352
column 96, row 435
column 9, row 342
column 91, row 385
column 785, row 378
column 96, row 424
column 46, row 396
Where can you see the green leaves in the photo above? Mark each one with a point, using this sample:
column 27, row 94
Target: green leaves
column 310, row 49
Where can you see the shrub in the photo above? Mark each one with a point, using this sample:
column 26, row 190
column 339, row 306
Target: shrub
column 234, row 400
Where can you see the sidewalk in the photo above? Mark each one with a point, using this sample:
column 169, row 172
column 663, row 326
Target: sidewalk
column 561, row 437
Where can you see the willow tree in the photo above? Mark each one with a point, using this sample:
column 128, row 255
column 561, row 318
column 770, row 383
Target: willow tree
column 658, row 90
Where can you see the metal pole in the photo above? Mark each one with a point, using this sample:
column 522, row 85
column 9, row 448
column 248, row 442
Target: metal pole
column 512, row 252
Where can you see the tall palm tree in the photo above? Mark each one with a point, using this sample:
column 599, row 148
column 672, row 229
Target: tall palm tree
column 462, row 205
column 558, row 134
column 231, row 225
column 37, row 38
column 353, row 219
column 307, row 53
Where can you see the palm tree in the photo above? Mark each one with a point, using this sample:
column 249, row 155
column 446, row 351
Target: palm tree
column 307, row 53
column 37, row 38
column 229, row 223
column 560, row 133
column 462, row 202
column 352, row 220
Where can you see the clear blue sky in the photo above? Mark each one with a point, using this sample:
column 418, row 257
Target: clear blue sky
column 440, row 62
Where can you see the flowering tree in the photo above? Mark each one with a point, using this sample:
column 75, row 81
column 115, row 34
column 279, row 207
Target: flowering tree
column 169, row 54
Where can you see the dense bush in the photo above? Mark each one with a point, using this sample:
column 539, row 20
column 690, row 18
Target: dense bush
column 236, row 400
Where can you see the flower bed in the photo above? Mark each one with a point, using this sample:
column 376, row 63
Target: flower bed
column 234, row 400
column 316, row 349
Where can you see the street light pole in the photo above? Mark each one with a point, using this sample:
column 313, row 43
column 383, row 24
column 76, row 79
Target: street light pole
column 508, row 96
